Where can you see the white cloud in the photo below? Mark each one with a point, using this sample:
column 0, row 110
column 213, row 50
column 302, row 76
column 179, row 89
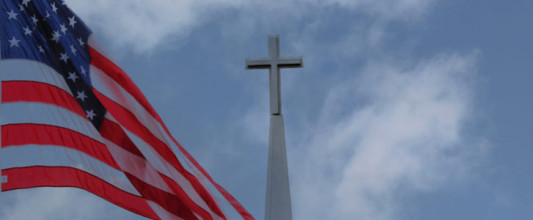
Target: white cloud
column 58, row 203
column 388, row 9
column 143, row 26
column 395, row 128
column 137, row 23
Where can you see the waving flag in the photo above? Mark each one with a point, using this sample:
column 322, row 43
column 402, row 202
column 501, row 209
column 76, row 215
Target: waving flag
column 71, row 118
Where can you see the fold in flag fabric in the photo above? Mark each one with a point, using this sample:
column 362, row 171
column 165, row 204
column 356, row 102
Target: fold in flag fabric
column 72, row 118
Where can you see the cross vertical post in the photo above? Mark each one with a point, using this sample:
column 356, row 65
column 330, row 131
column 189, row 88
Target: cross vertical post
column 274, row 75
column 274, row 63
column 278, row 201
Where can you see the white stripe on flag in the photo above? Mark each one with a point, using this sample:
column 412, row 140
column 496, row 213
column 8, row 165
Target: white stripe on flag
column 114, row 91
column 168, row 170
column 108, row 87
column 49, row 155
column 137, row 166
column 26, row 70
column 46, row 114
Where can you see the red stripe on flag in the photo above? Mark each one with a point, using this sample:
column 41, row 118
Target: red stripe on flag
column 28, row 91
column 236, row 204
column 166, row 200
column 23, row 134
column 40, row 176
column 112, row 70
column 245, row 214
column 130, row 122
column 181, row 194
column 114, row 133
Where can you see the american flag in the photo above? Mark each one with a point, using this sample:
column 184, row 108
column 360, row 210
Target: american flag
column 72, row 118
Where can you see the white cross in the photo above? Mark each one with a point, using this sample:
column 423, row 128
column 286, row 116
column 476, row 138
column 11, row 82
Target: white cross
column 274, row 63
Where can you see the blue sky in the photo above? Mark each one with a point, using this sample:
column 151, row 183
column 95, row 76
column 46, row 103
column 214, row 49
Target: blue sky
column 405, row 109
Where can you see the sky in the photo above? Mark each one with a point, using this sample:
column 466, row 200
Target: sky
column 405, row 109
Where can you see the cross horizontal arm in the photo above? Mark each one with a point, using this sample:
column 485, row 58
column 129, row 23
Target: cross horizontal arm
column 290, row 62
column 266, row 63
column 261, row 63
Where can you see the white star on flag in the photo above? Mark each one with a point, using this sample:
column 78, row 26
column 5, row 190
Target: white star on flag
column 64, row 57
column 25, row 2
column 27, row 31
column 14, row 42
column 90, row 114
column 81, row 95
column 63, row 28
column 72, row 76
column 55, row 36
column 73, row 49
column 72, row 21
column 81, row 42
column 54, row 8
column 34, row 19
column 41, row 50
column 12, row 15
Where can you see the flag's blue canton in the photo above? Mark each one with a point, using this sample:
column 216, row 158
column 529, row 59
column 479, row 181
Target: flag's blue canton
column 34, row 29
column 48, row 31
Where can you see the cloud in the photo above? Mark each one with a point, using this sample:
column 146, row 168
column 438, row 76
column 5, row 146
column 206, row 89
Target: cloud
column 388, row 9
column 58, row 203
column 137, row 23
column 134, row 23
column 397, row 128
